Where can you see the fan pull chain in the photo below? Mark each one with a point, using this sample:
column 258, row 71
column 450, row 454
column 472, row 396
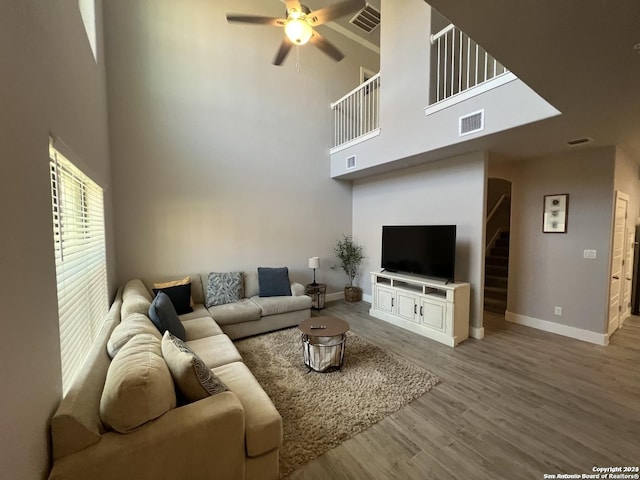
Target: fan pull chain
column 298, row 58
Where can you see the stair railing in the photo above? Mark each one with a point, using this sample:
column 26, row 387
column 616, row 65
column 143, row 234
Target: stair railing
column 461, row 63
column 502, row 206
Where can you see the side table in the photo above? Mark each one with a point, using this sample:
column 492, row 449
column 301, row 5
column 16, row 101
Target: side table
column 323, row 342
column 317, row 292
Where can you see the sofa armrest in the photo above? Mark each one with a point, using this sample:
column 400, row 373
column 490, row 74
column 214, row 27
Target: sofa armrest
column 297, row 289
column 204, row 439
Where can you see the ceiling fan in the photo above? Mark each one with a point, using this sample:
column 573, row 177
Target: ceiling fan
column 299, row 24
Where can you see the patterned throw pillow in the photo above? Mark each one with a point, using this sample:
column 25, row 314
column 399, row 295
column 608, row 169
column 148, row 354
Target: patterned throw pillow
column 191, row 375
column 224, row 288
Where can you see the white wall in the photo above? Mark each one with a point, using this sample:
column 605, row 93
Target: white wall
column 548, row 270
column 220, row 159
column 448, row 192
column 49, row 83
column 405, row 130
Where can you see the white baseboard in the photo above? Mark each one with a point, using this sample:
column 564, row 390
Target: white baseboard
column 333, row 297
column 552, row 327
column 367, row 298
column 475, row 332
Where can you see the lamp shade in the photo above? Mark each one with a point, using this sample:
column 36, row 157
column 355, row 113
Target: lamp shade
column 314, row 262
column 298, row 31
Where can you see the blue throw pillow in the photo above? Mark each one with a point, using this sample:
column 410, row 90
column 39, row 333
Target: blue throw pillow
column 273, row 282
column 163, row 315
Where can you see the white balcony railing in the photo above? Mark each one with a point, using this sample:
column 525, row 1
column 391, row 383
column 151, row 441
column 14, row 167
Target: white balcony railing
column 461, row 63
column 357, row 114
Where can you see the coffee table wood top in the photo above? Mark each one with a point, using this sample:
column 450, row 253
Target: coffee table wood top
column 332, row 326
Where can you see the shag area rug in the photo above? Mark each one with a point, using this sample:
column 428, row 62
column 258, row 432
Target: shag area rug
column 321, row 410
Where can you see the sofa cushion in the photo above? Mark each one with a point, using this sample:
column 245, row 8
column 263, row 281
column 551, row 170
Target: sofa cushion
column 164, row 316
column 263, row 424
column 199, row 311
column 138, row 387
column 180, row 296
column 215, row 351
column 200, row 328
column 191, row 375
column 274, row 305
column 243, row 311
column 273, row 282
column 135, row 303
column 133, row 325
column 250, row 283
column 223, row 288
column 136, row 287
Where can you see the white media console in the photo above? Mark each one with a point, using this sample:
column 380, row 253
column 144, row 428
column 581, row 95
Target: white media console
column 430, row 308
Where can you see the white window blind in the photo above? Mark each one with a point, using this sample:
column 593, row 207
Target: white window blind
column 81, row 268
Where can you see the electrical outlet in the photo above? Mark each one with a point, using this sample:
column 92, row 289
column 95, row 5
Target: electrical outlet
column 558, row 311
column 590, row 254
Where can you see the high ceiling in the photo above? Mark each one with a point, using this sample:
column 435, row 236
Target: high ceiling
column 582, row 56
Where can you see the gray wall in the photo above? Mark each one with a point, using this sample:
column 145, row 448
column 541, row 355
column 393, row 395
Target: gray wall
column 219, row 158
column 49, row 83
column 404, row 75
column 441, row 193
column 548, row 270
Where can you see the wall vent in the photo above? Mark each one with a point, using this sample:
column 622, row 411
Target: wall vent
column 351, row 162
column 366, row 19
column 474, row 122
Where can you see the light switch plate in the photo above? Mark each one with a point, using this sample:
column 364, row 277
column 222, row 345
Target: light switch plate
column 590, row 254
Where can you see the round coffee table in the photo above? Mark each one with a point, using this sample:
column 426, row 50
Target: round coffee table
column 323, row 342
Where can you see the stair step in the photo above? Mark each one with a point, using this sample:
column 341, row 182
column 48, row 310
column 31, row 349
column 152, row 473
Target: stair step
column 495, row 308
column 495, row 292
column 496, row 281
column 500, row 252
column 496, row 270
column 505, row 234
column 496, row 260
column 502, row 242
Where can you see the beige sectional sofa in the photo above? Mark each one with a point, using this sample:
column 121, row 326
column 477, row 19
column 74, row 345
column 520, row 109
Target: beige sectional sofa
column 235, row 434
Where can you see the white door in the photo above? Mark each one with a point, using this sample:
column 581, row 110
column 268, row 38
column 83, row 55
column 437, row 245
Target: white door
column 628, row 276
column 407, row 307
column 617, row 257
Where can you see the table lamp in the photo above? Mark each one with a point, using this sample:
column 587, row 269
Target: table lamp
column 314, row 262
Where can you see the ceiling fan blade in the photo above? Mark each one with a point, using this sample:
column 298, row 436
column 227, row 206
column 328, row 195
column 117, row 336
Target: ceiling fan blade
column 255, row 19
column 283, row 51
column 334, row 11
column 326, row 46
column 292, row 4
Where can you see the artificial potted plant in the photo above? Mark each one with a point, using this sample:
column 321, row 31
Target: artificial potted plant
column 350, row 255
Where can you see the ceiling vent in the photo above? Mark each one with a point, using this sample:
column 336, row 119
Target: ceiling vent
column 366, row 19
column 474, row 122
column 351, row 162
column 579, row 141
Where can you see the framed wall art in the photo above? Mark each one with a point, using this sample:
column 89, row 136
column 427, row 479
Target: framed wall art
column 555, row 213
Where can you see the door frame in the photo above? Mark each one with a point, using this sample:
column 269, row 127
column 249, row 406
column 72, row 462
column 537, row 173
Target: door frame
column 619, row 195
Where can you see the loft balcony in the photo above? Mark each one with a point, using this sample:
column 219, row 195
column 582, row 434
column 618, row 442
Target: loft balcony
column 436, row 96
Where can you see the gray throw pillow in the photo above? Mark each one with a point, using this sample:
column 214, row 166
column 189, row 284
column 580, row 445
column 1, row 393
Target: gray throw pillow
column 190, row 374
column 273, row 282
column 163, row 315
column 224, row 288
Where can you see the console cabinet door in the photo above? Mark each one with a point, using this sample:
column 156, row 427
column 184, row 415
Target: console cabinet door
column 384, row 299
column 407, row 306
column 434, row 314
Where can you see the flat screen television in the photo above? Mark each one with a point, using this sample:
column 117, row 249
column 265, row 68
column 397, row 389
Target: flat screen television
column 427, row 250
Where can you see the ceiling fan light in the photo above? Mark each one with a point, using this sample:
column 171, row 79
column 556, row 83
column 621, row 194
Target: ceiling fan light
column 298, row 31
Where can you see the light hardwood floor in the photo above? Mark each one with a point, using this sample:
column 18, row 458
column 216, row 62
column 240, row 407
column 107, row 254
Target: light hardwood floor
column 515, row 405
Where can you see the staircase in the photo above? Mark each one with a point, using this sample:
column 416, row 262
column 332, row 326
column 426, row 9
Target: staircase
column 496, row 275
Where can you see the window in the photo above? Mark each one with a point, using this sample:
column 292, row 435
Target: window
column 81, row 266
